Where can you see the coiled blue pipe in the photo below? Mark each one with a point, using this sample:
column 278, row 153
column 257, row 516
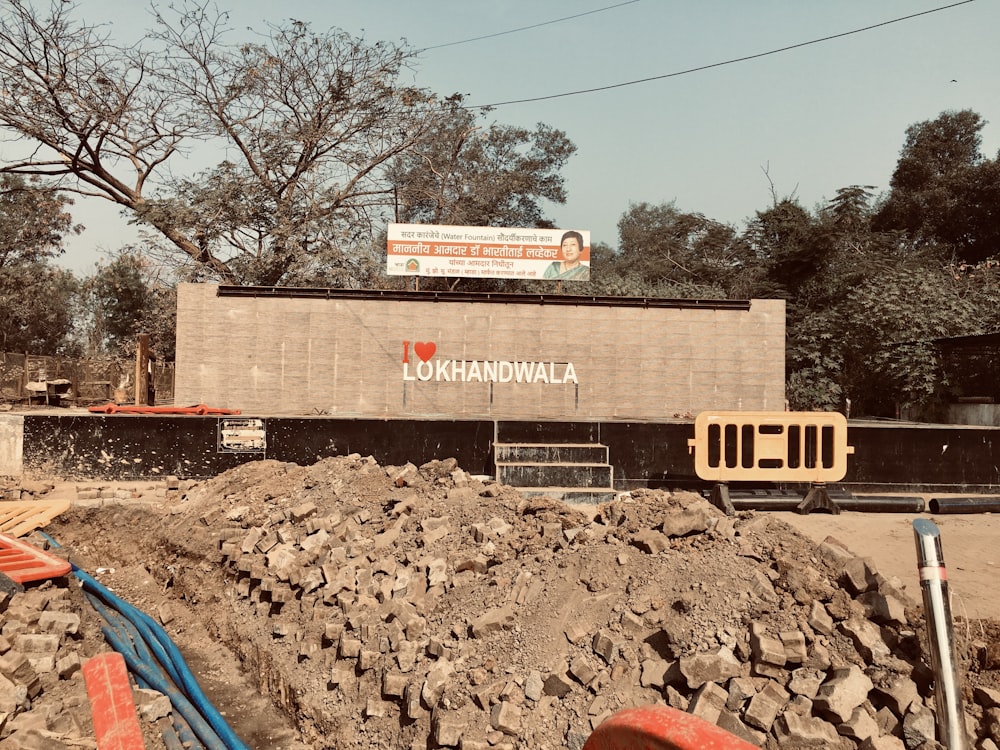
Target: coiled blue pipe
column 131, row 631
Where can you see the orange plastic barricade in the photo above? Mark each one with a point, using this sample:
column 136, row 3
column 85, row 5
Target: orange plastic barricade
column 661, row 728
column 805, row 446
column 22, row 562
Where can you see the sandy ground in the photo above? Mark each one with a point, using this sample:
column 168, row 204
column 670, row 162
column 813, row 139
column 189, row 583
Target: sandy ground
column 970, row 543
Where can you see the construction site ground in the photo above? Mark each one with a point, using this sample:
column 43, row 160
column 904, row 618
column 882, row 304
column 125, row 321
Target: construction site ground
column 472, row 617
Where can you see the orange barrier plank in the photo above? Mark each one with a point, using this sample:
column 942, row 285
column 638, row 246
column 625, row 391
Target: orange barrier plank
column 661, row 728
column 21, row 562
column 116, row 724
column 198, row 409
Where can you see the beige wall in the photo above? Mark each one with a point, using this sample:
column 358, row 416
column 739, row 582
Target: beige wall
column 11, row 445
column 344, row 356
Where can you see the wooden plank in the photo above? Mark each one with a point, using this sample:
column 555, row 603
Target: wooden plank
column 20, row 517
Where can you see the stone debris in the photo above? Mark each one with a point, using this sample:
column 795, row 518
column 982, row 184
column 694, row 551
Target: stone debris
column 804, row 653
column 422, row 607
column 42, row 696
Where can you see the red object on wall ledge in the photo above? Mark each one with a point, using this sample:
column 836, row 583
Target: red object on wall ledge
column 199, row 409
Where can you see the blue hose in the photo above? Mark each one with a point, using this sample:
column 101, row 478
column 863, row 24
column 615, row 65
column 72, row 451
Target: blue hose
column 172, row 736
column 149, row 652
column 177, row 699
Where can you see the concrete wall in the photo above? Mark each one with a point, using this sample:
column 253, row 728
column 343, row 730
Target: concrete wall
column 430, row 355
column 987, row 415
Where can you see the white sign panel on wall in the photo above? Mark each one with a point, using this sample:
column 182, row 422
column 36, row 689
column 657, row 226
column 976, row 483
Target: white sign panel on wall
column 488, row 252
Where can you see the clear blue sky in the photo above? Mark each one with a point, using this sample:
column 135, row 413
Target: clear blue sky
column 817, row 117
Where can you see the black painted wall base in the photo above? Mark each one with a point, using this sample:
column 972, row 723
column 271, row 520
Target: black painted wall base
column 887, row 456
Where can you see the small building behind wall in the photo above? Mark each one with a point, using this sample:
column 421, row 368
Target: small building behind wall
column 426, row 355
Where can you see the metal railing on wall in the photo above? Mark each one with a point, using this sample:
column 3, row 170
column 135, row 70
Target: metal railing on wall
column 91, row 380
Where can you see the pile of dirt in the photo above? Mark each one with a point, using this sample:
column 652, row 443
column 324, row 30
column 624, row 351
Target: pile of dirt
column 404, row 606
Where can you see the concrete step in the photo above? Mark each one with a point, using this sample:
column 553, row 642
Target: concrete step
column 572, row 495
column 524, row 474
column 570, row 453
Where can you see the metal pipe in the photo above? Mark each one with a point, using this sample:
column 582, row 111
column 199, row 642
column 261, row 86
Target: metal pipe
column 873, row 504
column 974, row 504
column 937, row 609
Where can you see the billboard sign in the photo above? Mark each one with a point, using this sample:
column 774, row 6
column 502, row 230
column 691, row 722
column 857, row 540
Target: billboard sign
column 488, row 252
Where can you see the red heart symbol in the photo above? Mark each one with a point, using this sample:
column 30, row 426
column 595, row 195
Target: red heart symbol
column 425, row 349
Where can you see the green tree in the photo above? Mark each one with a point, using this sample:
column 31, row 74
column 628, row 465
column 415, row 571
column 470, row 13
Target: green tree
column 308, row 120
column 789, row 245
column 662, row 245
column 465, row 173
column 124, row 298
column 36, row 299
column 37, row 302
column 943, row 192
column 33, row 222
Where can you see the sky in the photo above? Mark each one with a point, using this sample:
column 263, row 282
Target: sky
column 721, row 141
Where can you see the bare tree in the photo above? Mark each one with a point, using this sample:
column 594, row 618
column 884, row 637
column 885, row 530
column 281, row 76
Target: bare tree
column 306, row 121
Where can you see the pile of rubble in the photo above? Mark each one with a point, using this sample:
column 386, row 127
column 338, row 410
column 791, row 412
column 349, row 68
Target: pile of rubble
column 387, row 607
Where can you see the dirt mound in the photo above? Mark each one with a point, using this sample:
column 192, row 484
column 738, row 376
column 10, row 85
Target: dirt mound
column 387, row 607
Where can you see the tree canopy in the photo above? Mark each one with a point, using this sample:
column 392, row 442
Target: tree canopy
column 278, row 157
column 308, row 121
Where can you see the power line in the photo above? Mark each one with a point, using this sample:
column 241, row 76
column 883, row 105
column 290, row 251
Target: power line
column 525, row 28
column 718, row 64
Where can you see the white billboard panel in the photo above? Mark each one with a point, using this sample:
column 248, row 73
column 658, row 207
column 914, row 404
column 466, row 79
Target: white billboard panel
column 488, row 252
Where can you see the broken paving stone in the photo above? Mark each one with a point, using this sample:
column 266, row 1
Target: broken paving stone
column 506, row 717
column 708, row 702
column 151, row 704
column 581, row 670
column 883, row 608
column 846, row 689
column 867, row 639
column 858, row 575
column 717, row 666
column 861, row 726
column 533, row 686
column 766, row 650
column 492, row 621
column 653, row 673
column 731, row 722
column 446, row 729
column 765, row 706
column 557, row 685
column 898, row 695
column 605, row 646
column 649, row 541
column 794, row 642
column 59, row 622
column 919, row 728
column 689, row 521
column 394, row 684
column 793, row 730
column 819, row 619
column 436, row 682
column 576, row 633
column 740, row 690
column 806, row 682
